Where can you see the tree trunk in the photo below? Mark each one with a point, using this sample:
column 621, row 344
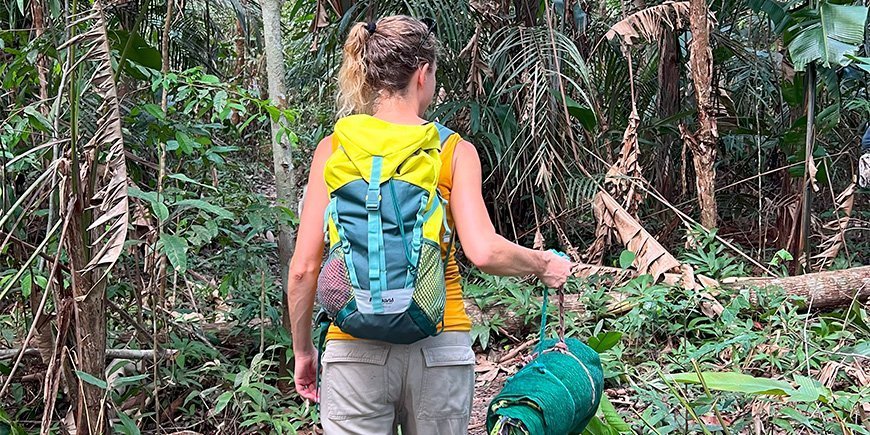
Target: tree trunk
column 668, row 106
column 802, row 256
column 90, row 323
column 707, row 136
column 239, row 42
column 282, row 148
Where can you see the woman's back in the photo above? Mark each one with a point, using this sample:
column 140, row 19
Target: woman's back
column 373, row 386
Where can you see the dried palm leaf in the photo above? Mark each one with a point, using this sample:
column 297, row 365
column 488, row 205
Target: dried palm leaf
column 478, row 69
column 648, row 24
column 837, row 229
column 101, row 155
column 619, row 186
column 626, row 166
column 650, row 256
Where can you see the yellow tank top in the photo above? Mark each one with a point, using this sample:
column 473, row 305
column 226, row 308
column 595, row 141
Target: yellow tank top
column 455, row 317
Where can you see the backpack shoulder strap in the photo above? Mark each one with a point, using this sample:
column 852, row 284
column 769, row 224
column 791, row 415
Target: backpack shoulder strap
column 449, row 140
column 444, row 133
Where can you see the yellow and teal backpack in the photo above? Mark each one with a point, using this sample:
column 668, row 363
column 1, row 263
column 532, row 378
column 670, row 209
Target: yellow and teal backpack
column 383, row 278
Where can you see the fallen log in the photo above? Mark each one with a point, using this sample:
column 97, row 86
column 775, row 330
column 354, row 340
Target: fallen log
column 836, row 288
column 133, row 354
column 820, row 290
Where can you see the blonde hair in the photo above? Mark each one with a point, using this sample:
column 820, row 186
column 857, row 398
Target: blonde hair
column 380, row 58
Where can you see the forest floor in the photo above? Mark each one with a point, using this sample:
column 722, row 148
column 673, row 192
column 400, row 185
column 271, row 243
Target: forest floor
column 484, row 392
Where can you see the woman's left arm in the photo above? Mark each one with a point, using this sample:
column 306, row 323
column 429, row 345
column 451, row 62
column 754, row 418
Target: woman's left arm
column 303, row 271
column 489, row 251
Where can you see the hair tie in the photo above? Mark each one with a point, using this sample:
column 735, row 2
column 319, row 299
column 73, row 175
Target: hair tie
column 371, row 27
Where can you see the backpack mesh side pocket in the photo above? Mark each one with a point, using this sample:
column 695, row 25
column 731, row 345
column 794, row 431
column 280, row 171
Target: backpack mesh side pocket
column 429, row 288
column 334, row 289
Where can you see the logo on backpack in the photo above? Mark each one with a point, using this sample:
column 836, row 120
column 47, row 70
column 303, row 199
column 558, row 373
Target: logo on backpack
column 384, row 276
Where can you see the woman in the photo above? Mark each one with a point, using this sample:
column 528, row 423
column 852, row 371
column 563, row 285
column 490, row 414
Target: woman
column 372, row 387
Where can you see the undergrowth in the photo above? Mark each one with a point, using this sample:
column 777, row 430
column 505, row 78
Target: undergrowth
column 768, row 365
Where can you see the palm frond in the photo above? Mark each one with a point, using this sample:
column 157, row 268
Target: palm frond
column 525, row 72
column 648, row 24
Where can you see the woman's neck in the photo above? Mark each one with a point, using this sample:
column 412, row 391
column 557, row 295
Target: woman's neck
column 398, row 111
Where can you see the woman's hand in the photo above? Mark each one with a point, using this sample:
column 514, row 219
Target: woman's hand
column 305, row 375
column 556, row 270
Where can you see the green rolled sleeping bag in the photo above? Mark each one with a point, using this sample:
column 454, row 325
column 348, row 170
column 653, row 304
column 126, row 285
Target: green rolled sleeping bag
column 555, row 394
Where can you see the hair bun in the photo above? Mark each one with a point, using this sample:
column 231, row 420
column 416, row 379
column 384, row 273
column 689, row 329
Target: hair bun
column 371, row 27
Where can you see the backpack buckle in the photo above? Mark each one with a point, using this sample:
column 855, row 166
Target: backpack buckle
column 373, row 200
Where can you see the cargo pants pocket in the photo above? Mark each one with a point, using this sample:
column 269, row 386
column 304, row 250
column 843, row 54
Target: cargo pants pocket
column 447, row 384
column 354, row 379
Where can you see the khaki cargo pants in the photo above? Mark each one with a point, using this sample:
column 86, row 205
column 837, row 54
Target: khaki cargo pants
column 373, row 388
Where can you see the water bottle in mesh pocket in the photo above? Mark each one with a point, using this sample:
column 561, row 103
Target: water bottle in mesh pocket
column 334, row 289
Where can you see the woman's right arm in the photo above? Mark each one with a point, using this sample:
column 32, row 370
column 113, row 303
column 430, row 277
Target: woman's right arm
column 489, row 251
column 303, row 270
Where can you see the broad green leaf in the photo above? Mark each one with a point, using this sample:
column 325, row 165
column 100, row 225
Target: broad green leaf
column 582, row 113
column 185, row 142
column 828, row 35
column 9, row 427
column 604, row 341
column 139, row 53
column 220, row 101
column 613, row 419
column 798, row 417
column 157, row 206
column 155, row 111
column 223, row 149
column 598, row 427
column 89, row 378
column 255, row 394
column 41, row 281
column 186, row 179
column 207, row 207
column 810, row 390
column 210, row 79
column 125, row 380
column 215, row 158
column 626, row 258
column 26, row 285
column 129, row 425
column 42, row 123
column 28, row 280
column 736, row 382
column 861, row 62
column 862, row 349
column 480, row 333
column 775, row 11
column 175, row 249
column 222, row 401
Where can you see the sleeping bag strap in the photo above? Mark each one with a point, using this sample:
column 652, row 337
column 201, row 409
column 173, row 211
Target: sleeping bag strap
column 561, row 304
